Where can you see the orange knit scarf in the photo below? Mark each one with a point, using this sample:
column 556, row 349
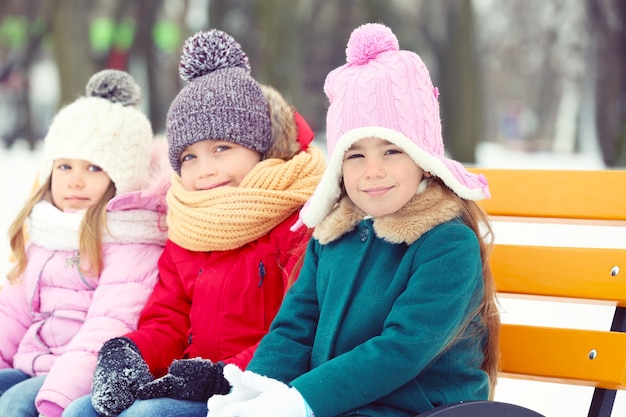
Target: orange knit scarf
column 226, row 218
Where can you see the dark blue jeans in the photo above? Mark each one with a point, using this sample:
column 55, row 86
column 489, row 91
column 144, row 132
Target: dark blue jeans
column 162, row 407
column 18, row 392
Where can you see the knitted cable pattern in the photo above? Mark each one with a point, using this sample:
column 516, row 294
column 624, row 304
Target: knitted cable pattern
column 227, row 218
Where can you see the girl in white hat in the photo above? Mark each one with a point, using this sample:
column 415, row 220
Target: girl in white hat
column 96, row 228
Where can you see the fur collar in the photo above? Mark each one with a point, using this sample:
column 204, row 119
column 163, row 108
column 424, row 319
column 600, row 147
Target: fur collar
column 423, row 212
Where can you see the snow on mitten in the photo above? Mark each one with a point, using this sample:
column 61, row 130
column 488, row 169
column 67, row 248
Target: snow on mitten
column 120, row 371
column 194, row 379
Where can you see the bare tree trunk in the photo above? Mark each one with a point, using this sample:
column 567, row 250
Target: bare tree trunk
column 545, row 94
column 315, row 67
column 34, row 41
column 458, row 69
column 70, row 33
column 608, row 23
column 217, row 12
column 146, row 15
column 22, row 62
column 281, row 64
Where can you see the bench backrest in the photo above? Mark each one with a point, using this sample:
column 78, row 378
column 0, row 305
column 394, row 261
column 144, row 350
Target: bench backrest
column 586, row 274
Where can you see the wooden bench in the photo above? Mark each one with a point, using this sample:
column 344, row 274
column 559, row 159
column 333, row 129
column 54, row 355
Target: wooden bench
column 577, row 356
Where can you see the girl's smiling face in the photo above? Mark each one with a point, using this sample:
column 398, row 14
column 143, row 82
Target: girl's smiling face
column 215, row 163
column 379, row 177
column 77, row 184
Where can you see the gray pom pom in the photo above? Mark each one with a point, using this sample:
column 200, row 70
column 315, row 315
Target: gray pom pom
column 209, row 51
column 115, row 86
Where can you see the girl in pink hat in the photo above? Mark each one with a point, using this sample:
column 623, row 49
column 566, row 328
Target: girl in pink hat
column 394, row 310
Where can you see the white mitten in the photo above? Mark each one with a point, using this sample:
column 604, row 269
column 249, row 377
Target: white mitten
column 238, row 393
column 275, row 400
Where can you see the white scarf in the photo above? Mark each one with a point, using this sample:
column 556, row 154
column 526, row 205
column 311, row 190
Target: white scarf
column 54, row 229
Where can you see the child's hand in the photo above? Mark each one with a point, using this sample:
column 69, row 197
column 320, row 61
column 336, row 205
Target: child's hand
column 274, row 399
column 194, row 379
column 120, row 371
column 238, row 393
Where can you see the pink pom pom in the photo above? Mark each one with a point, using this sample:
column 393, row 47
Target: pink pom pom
column 369, row 40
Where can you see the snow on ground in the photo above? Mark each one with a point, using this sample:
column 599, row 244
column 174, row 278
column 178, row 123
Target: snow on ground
column 18, row 169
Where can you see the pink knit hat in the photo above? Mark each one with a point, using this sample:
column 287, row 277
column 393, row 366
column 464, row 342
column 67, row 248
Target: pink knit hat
column 386, row 93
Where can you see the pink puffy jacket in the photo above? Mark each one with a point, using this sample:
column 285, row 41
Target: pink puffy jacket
column 54, row 320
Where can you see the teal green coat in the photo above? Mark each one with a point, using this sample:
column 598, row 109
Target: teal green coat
column 377, row 328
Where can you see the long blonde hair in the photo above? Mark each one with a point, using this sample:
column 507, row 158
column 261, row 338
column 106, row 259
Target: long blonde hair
column 477, row 220
column 90, row 232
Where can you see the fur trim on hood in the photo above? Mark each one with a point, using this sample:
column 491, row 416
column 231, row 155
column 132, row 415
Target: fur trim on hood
column 290, row 132
column 152, row 195
column 160, row 171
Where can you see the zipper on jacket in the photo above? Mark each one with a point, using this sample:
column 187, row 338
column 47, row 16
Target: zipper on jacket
column 261, row 273
column 31, row 298
column 74, row 262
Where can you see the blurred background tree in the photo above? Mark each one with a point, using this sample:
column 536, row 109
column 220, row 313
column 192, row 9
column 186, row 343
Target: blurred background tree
column 530, row 75
column 607, row 20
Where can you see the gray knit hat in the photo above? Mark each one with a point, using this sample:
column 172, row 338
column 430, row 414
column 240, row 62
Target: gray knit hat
column 221, row 100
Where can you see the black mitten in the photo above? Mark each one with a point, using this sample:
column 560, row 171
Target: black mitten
column 194, row 379
column 120, row 371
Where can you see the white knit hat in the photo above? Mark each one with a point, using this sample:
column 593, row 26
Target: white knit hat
column 387, row 93
column 105, row 128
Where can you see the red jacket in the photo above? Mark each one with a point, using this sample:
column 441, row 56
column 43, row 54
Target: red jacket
column 217, row 305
